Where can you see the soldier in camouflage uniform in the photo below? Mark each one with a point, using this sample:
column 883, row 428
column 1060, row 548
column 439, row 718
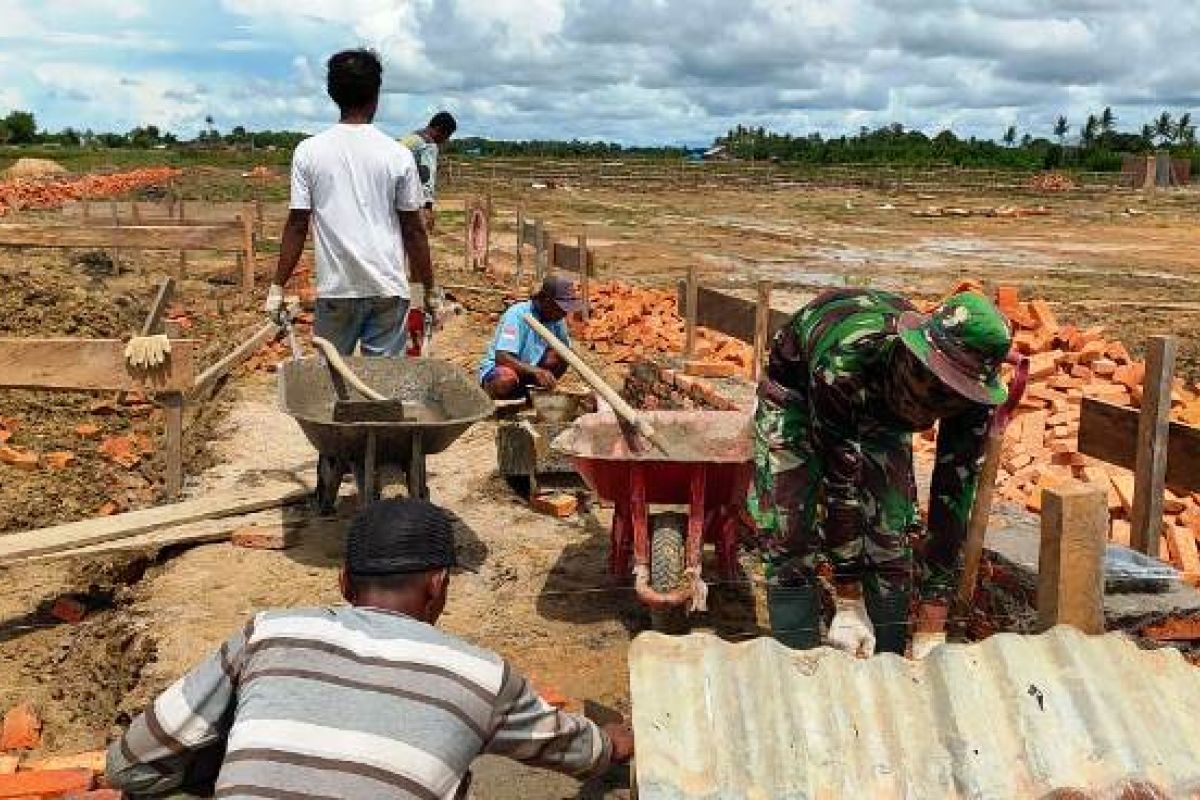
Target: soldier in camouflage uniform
column 851, row 377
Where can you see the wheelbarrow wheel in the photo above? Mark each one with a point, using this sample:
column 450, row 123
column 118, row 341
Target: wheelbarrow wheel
column 668, row 555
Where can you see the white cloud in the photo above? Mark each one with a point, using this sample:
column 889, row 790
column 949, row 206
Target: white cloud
column 635, row 70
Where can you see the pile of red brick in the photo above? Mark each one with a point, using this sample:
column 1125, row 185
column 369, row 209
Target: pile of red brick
column 1051, row 182
column 630, row 321
column 73, row 777
column 22, row 193
column 1041, row 443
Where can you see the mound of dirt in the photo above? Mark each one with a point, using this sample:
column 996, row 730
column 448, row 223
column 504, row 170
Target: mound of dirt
column 34, row 168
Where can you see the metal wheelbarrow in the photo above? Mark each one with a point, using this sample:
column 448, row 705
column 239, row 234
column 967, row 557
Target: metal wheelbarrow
column 440, row 402
column 700, row 489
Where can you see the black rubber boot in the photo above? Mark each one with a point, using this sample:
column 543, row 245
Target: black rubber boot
column 889, row 615
column 795, row 613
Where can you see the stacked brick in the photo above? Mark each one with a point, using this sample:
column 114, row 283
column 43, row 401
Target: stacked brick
column 628, row 322
column 1041, row 443
column 73, row 777
column 662, row 384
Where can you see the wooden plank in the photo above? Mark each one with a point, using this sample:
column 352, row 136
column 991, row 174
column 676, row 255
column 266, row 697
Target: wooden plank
column 222, row 237
column 568, row 257
column 733, row 316
column 1071, row 558
column 1109, row 433
column 73, row 364
column 99, row 530
column 520, row 244
column 539, row 256
column 1150, row 463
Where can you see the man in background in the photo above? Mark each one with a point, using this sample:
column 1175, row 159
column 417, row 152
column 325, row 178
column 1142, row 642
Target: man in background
column 424, row 146
column 363, row 196
column 518, row 356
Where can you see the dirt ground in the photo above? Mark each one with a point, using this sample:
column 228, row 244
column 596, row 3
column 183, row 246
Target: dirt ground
column 541, row 595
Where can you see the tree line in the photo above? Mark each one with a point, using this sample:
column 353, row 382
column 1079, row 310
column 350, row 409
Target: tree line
column 20, row 128
column 1097, row 145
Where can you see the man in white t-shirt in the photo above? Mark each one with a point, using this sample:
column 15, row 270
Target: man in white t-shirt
column 362, row 193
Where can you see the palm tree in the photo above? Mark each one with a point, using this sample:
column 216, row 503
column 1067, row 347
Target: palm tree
column 1107, row 119
column 1164, row 128
column 1010, row 135
column 1185, row 131
column 1060, row 128
column 1088, row 136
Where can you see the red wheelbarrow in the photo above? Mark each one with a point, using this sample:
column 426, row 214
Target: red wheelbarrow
column 698, row 490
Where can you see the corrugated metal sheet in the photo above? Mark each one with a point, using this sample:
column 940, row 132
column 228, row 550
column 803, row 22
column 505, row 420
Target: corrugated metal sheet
column 1011, row 717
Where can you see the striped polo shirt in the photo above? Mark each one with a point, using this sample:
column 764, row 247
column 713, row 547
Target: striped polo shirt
column 347, row 702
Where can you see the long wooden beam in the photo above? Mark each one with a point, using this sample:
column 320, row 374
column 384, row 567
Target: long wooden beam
column 223, row 237
column 247, row 348
column 97, row 530
column 89, row 364
column 729, row 314
column 1110, row 433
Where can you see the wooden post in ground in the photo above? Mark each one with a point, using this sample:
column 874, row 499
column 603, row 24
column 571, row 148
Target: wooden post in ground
column 539, row 251
column 762, row 321
column 248, row 265
column 182, row 269
column 467, row 235
column 173, row 442
column 489, row 212
column 585, row 268
column 1150, row 470
column 520, row 244
column 1071, row 559
column 689, row 329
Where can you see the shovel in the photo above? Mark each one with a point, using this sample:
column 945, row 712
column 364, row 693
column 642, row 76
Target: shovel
column 624, row 411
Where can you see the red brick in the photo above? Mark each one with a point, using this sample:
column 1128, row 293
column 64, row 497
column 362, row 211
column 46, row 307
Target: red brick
column 48, row 783
column 257, row 537
column 21, row 729
column 556, row 505
column 68, row 609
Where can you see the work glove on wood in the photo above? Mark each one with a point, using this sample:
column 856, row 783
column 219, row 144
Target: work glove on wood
column 147, row 352
column 851, row 629
column 274, row 304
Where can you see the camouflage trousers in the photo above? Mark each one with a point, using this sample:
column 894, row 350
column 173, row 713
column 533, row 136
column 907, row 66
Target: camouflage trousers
column 787, row 505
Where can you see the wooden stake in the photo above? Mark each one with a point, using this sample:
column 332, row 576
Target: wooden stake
column 173, row 445
column 539, row 250
column 1150, row 468
column 584, row 269
column 1071, row 560
column 520, row 244
column 248, row 265
column 689, row 349
column 467, row 260
column 762, row 322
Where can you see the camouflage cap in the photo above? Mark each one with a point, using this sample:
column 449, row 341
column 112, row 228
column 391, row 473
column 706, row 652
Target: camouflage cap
column 963, row 342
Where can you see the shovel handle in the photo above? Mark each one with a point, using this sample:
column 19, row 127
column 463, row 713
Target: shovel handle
column 338, row 365
column 610, row 395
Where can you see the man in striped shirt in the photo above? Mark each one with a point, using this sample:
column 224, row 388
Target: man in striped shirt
column 363, row 701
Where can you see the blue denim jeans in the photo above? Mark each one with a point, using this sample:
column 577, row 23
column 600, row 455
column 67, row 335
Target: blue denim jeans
column 375, row 323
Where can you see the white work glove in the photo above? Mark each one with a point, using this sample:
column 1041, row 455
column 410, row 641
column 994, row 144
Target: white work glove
column 147, row 352
column 274, row 304
column 923, row 643
column 433, row 300
column 851, row 629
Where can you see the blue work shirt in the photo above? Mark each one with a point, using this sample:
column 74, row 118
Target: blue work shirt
column 513, row 335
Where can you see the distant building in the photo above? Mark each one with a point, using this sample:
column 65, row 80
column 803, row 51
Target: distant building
column 718, row 153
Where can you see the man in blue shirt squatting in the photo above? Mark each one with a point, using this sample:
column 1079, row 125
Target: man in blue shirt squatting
column 518, row 357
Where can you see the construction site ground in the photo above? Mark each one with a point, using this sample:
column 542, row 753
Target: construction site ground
column 541, row 595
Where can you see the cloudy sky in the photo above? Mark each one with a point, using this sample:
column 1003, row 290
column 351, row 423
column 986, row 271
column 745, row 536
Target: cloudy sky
column 634, row 71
